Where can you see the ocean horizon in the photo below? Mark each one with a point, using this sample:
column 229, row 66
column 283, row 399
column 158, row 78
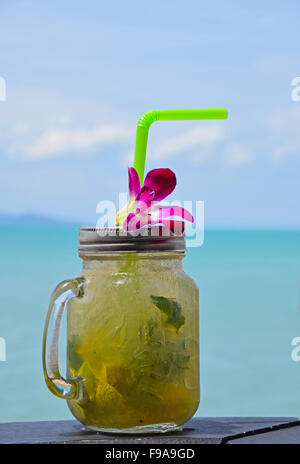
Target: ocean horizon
column 249, row 282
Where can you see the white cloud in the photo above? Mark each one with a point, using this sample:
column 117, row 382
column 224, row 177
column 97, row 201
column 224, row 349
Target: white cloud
column 41, row 126
column 54, row 142
column 238, row 154
column 200, row 137
column 20, row 128
column 283, row 126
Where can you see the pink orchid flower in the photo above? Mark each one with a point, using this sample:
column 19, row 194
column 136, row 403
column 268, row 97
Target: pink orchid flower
column 143, row 208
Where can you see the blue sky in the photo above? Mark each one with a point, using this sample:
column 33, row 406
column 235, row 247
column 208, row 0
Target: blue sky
column 79, row 74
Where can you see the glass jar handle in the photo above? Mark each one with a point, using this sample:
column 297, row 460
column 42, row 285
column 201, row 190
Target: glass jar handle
column 55, row 382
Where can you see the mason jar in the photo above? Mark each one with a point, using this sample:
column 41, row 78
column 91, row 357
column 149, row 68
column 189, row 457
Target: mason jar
column 132, row 333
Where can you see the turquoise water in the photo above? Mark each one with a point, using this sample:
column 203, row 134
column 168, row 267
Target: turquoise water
column 249, row 312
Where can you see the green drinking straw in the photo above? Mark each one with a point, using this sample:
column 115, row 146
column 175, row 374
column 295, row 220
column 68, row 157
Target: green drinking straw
column 149, row 117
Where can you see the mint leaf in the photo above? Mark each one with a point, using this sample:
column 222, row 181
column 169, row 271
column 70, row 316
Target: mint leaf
column 75, row 360
column 171, row 308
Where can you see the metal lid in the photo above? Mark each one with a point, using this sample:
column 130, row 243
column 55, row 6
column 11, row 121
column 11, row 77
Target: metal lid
column 94, row 240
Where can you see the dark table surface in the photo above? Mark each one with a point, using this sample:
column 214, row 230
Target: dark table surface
column 214, row 430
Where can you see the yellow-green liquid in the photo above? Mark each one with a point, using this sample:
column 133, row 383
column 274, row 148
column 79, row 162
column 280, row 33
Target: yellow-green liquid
column 133, row 339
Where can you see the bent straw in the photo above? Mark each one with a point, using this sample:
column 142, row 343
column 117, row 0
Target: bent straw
column 149, row 117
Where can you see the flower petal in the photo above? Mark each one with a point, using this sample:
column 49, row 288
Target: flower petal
column 164, row 212
column 174, row 226
column 133, row 183
column 123, row 213
column 133, row 222
column 161, row 181
column 177, row 227
column 146, row 194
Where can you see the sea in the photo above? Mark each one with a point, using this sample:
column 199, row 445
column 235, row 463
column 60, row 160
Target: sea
column 249, row 283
